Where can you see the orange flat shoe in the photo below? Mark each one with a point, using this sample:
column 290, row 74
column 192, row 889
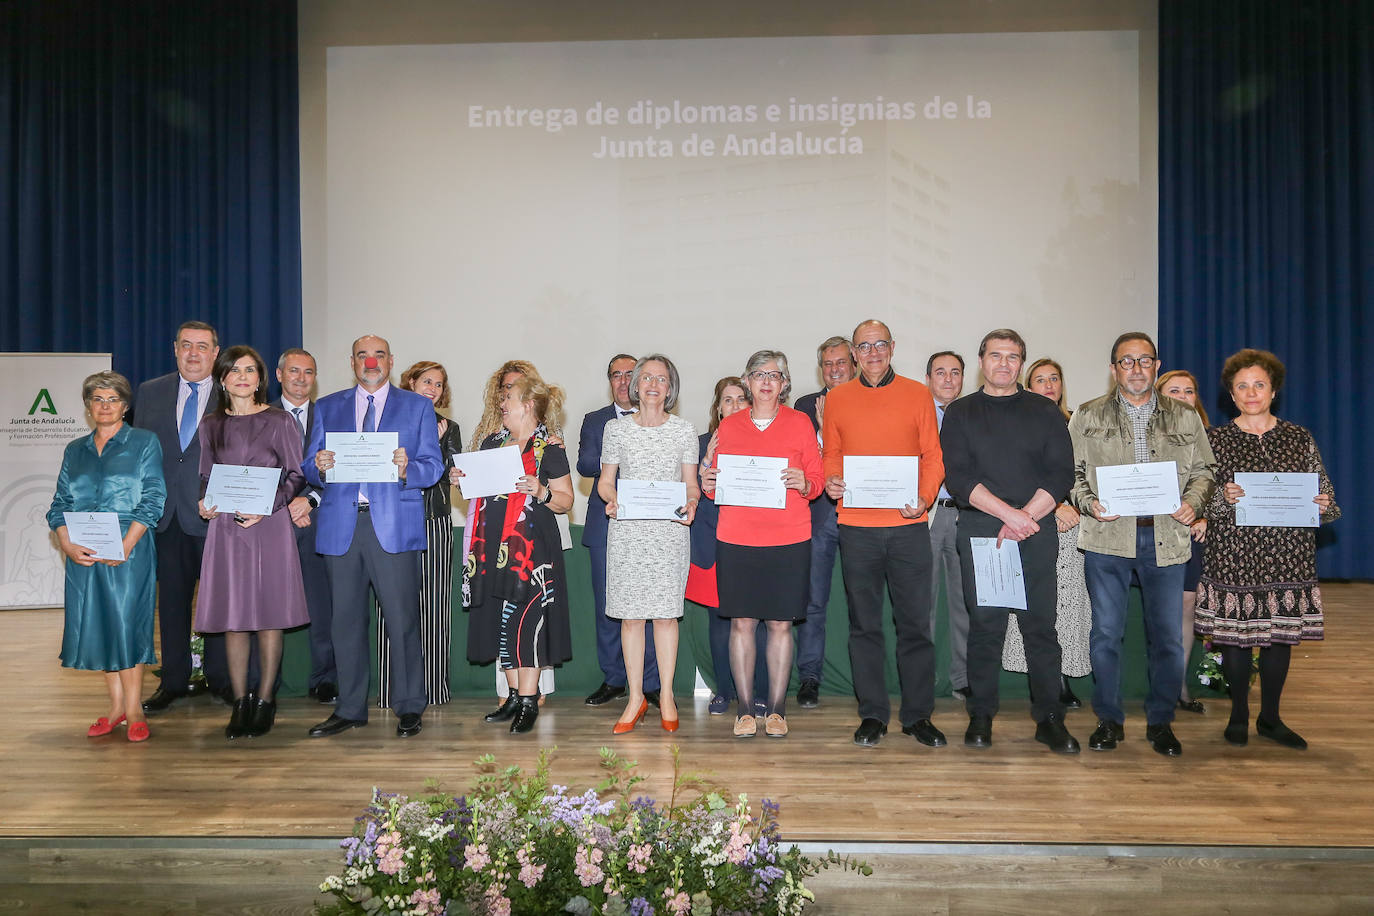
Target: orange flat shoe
column 103, row 726
column 622, row 728
column 139, row 732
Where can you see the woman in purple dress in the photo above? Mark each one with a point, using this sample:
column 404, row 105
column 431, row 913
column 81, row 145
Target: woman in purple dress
column 250, row 577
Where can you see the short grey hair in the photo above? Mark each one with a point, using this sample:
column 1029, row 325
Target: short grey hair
column 831, row 343
column 107, row 379
column 771, row 356
column 674, row 382
column 293, row 351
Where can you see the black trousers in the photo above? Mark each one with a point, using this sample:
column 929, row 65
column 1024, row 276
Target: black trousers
column 395, row 577
column 319, row 604
column 898, row 558
column 178, row 569
column 987, row 628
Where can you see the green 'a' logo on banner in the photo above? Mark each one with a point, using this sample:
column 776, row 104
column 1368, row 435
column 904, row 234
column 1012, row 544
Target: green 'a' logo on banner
column 43, row 403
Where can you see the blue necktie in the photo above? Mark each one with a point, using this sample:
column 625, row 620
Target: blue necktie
column 370, row 418
column 189, row 416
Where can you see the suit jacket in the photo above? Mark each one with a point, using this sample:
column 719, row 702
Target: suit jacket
column 589, row 466
column 822, row 505
column 398, row 510
column 309, row 428
column 155, row 409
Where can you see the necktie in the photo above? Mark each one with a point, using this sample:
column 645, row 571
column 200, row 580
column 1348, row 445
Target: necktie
column 296, row 412
column 370, row 418
column 189, row 416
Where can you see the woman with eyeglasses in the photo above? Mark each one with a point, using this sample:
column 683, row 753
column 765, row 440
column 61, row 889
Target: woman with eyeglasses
column 1073, row 617
column 250, row 574
column 763, row 555
column 109, row 603
column 647, row 559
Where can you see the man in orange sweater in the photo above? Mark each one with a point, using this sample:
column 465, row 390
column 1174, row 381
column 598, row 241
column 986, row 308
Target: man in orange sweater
column 882, row 413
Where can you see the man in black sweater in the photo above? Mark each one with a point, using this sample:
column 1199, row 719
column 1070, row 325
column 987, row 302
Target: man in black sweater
column 1008, row 463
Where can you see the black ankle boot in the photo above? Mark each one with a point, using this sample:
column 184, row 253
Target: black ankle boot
column 526, row 712
column 240, row 717
column 505, row 711
column 264, row 714
column 1066, row 695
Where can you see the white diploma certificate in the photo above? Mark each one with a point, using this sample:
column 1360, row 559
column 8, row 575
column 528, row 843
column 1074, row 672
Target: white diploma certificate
column 751, row 480
column 641, row 499
column 98, row 532
column 242, row 488
column 881, row 481
column 362, row 457
column 1139, row 489
column 489, row 472
column 997, row 573
column 1278, row 500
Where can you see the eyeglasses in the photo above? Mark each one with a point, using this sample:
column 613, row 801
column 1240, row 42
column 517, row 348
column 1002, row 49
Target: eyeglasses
column 654, row 379
column 877, row 346
column 113, row 400
column 760, row 376
column 617, row 376
column 1130, row 362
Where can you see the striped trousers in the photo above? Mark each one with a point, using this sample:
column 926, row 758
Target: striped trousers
column 436, row 617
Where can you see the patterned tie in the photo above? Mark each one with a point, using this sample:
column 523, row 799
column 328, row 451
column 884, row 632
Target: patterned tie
column 189, row 416
column 296, row 412
column 370, row 418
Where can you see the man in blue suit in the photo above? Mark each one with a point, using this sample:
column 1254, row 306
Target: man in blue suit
column 373, row 534
column 171, row 406
column 608, row 653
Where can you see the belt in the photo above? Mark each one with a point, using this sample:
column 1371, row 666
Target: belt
column 364, row 507
column 1145, row 521
column 946, row 503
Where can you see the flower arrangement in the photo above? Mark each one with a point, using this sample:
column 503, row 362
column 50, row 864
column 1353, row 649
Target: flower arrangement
column 521, row 844
column 1209, row 673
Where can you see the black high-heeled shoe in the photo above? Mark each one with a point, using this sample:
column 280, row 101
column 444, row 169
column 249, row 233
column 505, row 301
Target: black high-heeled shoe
column 264, row 714
column 240, row 717
column 526, row 713
column 505, row 711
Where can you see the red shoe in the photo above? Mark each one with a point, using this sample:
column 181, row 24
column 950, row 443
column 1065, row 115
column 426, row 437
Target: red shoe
column 622, row 728
column 138, row 731
column 670, row 725
column 103, row 726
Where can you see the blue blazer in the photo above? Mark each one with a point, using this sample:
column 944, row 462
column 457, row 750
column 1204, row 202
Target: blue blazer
column 822, row 506
column 398, row 510
column 155, row 409
column 589, row 466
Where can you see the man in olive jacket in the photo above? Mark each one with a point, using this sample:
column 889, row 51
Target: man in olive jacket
column 1133, row 425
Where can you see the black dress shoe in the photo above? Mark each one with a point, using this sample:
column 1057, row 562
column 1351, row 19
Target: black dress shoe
column 809, row 694
column 925, row 732
column 652, row 697
column 334, row 725
column 161, row 699
column 527, row 711
column 1237, row 733
column 263, row 715
column 1106, row 735
column 1192, row 706
column 605, row 693
column 239, row 718
column 1066, row 695
column 1055, row 736
column 408, row 725
column 1161, row 738
column 870, row 732
column 1281, row 733
column 325, row 691
column 979, row 732
column 505, row 711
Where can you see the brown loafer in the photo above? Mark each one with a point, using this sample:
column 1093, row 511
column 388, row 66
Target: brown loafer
column 746, row 727
column 775, row 726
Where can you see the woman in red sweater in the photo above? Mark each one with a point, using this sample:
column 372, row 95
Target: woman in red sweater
column 763, row 555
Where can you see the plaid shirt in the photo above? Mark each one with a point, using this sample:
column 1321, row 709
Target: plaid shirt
column 1140, row 422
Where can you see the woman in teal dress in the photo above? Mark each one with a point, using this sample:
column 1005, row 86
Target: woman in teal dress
column 110, row 603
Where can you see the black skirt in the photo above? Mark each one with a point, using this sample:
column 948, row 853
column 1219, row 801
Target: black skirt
column 766, row 583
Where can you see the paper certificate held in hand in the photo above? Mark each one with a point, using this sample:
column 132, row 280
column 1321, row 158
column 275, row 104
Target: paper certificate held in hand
column 1139, row 489
column 489, row 472
column 751, row 480
column 650, row 499
column 362, row 457
column 242, row 489
column 881, row 481
column 98, row 532
column 997, row 573
column 1278, row 500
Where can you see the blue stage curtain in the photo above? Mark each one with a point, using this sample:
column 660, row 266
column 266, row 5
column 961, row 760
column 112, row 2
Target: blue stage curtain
column 149, row 174
column 1266, row 220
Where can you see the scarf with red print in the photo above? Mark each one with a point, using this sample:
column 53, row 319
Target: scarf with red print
column 519, row 553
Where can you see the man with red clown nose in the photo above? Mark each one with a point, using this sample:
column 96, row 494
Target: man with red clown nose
column 372, row 534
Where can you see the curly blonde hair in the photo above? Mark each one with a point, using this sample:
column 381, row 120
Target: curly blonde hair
column 491, row 401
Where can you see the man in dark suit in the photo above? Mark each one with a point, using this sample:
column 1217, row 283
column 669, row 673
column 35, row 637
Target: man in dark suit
column 608, row 653
column 171, row 407
column 836, row 361
column 372, row 534
column 296, row 375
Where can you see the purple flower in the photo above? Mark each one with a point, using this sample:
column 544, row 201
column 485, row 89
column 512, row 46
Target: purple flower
column 640, row 907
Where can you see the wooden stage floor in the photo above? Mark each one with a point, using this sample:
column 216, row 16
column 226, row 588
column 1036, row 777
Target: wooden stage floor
column 189, row 782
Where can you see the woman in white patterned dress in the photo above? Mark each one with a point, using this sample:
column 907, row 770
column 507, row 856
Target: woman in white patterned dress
column 647, row 560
